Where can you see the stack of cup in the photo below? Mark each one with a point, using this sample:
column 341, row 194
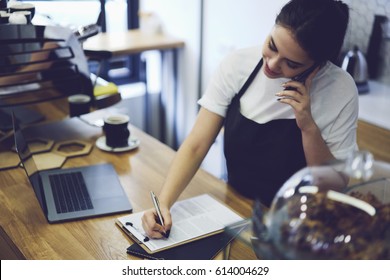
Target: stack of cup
column 15, row 12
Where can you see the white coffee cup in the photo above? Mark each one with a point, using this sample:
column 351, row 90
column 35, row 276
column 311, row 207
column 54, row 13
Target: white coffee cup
column 19, row 6
column 17, row 18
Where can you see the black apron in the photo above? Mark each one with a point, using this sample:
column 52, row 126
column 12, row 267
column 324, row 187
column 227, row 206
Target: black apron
column 260, row 157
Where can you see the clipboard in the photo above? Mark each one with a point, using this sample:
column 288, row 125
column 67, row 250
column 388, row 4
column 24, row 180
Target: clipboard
column 194, row 219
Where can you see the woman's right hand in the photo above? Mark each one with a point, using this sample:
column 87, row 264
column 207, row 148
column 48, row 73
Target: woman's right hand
column 151, row 226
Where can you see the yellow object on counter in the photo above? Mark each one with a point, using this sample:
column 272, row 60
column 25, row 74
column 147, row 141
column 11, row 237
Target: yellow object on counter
column 109, row 88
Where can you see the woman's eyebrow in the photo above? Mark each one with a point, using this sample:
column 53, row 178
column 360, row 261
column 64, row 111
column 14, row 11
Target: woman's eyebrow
column 276, row 48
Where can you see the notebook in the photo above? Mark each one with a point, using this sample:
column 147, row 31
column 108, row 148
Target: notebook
column 193, row 219
column 73, row 193
column 212, row 247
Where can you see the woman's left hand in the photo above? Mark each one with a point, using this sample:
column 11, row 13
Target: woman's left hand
column 299, row 99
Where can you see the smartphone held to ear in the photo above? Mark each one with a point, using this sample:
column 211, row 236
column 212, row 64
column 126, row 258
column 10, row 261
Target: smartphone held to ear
column 303, row 76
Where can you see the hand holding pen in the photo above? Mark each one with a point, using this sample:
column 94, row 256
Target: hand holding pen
column 157, row 221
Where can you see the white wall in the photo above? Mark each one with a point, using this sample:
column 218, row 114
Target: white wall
column 181, row 18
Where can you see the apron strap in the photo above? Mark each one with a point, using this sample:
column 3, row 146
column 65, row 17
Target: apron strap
column 250, row 79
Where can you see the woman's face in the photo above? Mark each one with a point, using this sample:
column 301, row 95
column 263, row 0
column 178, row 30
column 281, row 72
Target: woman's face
column 282, row 55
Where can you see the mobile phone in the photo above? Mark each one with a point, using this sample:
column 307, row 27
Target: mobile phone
column 303, row 76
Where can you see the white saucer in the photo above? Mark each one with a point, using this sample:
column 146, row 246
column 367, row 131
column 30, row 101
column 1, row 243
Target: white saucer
column 101, row 144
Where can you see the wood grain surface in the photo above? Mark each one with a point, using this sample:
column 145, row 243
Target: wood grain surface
column 139, row 171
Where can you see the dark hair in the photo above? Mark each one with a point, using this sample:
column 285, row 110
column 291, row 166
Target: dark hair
column 319, row 26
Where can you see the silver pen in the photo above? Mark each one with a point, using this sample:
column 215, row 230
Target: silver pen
column 157, row 207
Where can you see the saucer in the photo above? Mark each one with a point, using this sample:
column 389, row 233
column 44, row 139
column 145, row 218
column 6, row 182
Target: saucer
column 101, row 144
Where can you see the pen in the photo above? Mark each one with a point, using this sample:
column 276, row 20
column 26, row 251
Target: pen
column 157, row 207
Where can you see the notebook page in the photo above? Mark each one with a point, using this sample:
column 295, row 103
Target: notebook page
column 192, row 218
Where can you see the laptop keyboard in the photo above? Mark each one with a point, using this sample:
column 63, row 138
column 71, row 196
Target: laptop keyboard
column 70, row 192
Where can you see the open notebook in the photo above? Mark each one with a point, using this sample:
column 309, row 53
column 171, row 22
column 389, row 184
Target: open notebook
column 193, row 219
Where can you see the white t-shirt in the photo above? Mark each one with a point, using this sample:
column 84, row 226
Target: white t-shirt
column 333, row 94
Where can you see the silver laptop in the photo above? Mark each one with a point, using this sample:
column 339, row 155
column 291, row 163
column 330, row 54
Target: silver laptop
column 73, row 193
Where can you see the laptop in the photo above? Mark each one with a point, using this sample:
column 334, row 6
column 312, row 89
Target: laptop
column 72, row 193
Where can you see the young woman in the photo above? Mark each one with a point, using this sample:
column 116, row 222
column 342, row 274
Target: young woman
column 275, row 122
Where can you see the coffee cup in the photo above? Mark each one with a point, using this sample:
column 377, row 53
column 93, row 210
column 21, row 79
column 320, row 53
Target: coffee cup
column 17, row 7
column 79, row 104
column 17, row 18
column 116, row 130
column 26, row 14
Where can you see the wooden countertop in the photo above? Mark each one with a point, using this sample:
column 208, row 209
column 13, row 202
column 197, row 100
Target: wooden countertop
column 139, row 172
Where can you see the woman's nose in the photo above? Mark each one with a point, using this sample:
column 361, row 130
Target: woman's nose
column 273, row 64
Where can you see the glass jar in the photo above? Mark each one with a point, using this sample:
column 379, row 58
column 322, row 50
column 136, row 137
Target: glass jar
column 335, row 211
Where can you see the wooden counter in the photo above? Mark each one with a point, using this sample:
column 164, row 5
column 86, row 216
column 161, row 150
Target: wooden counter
column 139, row 171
